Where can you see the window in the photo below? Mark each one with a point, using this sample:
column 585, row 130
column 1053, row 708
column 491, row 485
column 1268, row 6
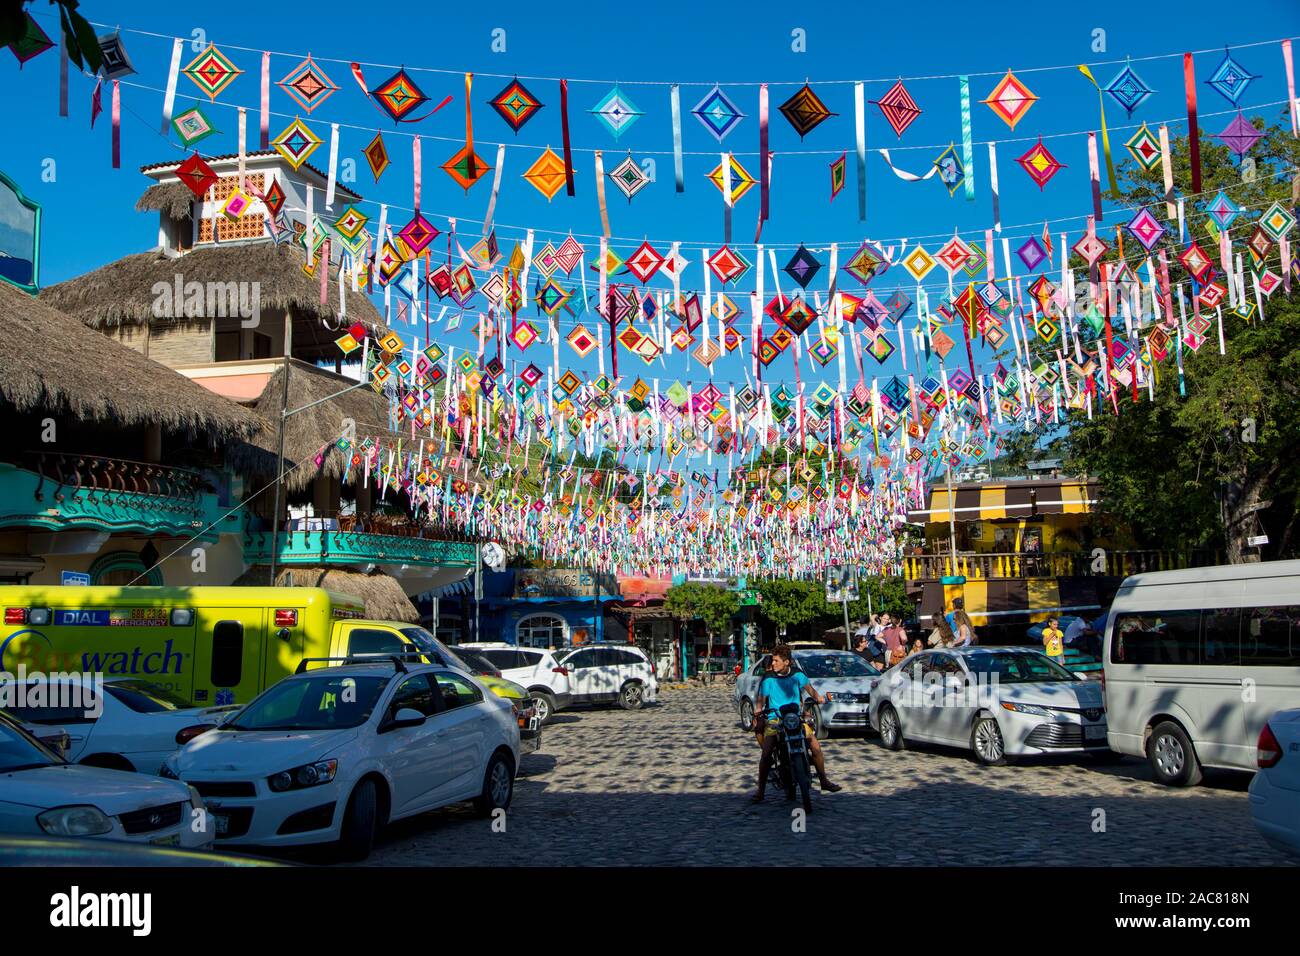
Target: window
column 625, row 658
column 760, row 669
column 63, row 704
column 227, row 653
column 1165, row 637
column 584, row 658
column 318, row 702
column 541, row 630
column 1220, row 636
column 417, row 694
column 371, row 641
column 456, row 691
column 529, row 659
column 1270, row 636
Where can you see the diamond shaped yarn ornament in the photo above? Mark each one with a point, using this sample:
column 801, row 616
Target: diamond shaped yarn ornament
column 1032, row 253
column 1091, row 248
column 616, row 112
column 308, row 84
column 866, row 263
column 1145, row 148
column 376, row 154
column 898, row 107
column 1010, row 100
column 718, row 113
column 569, row 255
column 197, row 175
column 880, row 347
column 273, row 198
column 399, row 96
column 1230, row 79
column 552, row 297
column 728, row 265
column 32, row 42
column 1196, row 262
column 629, row 177
column 193, row 126
column 115, row 62
column 805, row 111
column 798, row 316
column 296, row 143
column 1128, row 90
column 547, row 174
column 211, row 71
column 467, row 167
column 515, row 105
column 1240, row 135
column 645, row 262
column 351, row 222
column 236, row 204
column 952, row 172
column 1223, row 211
column 954, row 254
column 417, row 234
column 918, row 263
column 802, row 267
column 1276, row 222
column 1040, row 164
column 581, row 341
column 1146, row 229
column 839, row 174
column 741, row 181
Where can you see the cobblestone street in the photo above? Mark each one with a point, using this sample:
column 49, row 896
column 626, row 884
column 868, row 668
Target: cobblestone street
column 669, row 785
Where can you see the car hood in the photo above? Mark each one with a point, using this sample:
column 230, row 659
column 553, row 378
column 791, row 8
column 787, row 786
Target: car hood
column 112, row 791
column 502, row 687
column 846, row 685
column 1077, row 694
column 257, row 752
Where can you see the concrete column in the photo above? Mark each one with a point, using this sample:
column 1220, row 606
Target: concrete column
column 153, row 443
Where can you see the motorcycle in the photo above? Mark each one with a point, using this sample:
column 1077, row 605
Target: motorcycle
column 790, row 767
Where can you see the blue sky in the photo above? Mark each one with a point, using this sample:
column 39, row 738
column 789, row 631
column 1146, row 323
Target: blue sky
column 89, row 217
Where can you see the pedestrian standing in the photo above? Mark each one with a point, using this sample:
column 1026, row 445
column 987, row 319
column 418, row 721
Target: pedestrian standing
column 963, row 628
column 1054, row 640
column 894, row 638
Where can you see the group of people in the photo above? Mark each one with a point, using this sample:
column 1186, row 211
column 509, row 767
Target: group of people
column 884, row 640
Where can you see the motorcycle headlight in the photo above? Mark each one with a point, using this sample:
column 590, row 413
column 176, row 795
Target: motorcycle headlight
column 1019, row 708
column 308, row 775
column 75, row 821
column 791, row 722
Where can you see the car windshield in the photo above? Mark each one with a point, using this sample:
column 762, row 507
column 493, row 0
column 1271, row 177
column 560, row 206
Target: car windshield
column 144, row 697
column 835, row 665
column 478, row 663
column 21, row 751
column 430, row 645
column 319, row 702
column 1017, row 667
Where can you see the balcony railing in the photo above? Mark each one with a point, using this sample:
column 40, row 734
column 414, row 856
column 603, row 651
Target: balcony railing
column 348, row 548
column 973, row 566
column 110, row 480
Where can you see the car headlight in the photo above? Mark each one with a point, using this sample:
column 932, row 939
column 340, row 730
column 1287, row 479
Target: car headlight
column 75, row 821
column 308, row 775
column 1034, row 709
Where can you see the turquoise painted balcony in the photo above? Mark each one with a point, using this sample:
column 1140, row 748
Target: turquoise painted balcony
column 62, row 492
column 330, row 547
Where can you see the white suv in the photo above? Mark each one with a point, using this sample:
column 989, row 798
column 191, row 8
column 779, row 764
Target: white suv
column 533, row 668
column 611, row 673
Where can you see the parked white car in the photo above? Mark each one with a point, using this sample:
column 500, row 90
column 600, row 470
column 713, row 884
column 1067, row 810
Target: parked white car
column 844, row 678
column 331, row 755
column 139, row 723
column 533, row 668
column 999, row 702
column 1275, row 790
column 43, row 794
column 611, row 673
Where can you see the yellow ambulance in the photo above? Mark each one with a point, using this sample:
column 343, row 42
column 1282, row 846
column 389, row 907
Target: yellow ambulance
column 209, row 645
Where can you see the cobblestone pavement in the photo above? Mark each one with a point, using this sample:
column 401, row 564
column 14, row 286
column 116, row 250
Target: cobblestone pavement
column 669, row 785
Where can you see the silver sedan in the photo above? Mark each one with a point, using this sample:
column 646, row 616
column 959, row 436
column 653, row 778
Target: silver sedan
column 842, row 677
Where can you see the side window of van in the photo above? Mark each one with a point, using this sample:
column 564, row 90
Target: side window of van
column 372, row 641
column 227, row 653
column 1270, row 636
column 1157, row 637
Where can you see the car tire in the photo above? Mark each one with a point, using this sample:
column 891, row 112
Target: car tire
column 746, row 714
column 1173, row 759
column 819, row 727
column 544, row 703
column 987, row 743
column 498, row 786
column 891, row 729
column 360, row 822
column 108, row 762
column 632, row 696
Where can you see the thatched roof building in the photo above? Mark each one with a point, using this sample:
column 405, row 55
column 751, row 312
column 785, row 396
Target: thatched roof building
column 176, row 199
column 383, row 596
column 56, row 364
column 122, row 292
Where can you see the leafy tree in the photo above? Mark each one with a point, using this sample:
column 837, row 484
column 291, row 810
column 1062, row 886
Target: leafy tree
column 792, row 605
column 78, row 34
column 714, row 606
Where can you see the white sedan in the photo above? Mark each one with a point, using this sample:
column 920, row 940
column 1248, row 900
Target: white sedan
column 41, row 794
column 331, row 755
column 1275, row 791
column 996, row 701
column 842, row 677
column 133, row 725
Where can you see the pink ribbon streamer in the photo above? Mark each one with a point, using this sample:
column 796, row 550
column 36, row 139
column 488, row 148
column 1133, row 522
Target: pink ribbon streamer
column 117, row 126
column 265, row 116
column 1094, row 176
column 96, row 103
column 1293, row 108
column 415, row 158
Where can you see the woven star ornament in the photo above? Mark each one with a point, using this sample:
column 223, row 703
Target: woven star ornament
column 839, row 174
column 193, row 125
column 741, row 181
column 1230, row 79
column 898, row 107
column 1040, row 164
column 1010, row 99
column 728, row 265
column 1127, row 89
column 211, row 71
column 547, row 174
column 515, row 104
column 399, row 96
column 717, row 113
column 1240, row 135
column 1146, row 229
column 616, row 112
column 805, row 111
column 196, row 174
column 31, row 42
column 308, row 84
column 376, row 154
column 802, row 267
column 952, row 172
column 629, row 177
column 116, row 64
column 1145, row 148
column 467, row 167
column 296, row 143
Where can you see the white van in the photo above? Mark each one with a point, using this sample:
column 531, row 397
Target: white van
column 1197, row 660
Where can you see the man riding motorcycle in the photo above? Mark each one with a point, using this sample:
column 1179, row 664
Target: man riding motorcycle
column 782, row 686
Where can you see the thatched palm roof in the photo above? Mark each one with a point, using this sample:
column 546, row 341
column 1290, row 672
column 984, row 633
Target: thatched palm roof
column 383, row 596
column 307, row 432
column 121, row 293
column 56, row 364
column 176, row 199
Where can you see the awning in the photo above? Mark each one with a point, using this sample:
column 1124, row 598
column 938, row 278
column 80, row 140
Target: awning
column 1004, row 601
column 983, row 501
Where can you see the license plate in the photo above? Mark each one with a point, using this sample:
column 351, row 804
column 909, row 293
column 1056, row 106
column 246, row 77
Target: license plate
column 173, row 840
column 1096, row 732
column 222, row 823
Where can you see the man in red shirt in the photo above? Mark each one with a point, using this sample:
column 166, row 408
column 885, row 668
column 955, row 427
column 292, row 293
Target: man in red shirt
column 895, row 639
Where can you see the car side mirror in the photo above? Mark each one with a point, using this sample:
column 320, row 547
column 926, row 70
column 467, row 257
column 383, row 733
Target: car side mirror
column 406, row 717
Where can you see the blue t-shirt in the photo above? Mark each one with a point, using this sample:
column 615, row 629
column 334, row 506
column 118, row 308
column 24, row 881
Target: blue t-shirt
column 779, row 691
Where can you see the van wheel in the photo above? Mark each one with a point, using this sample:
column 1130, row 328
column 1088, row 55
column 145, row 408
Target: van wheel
column 108, row 762
column 891, row 731
column 544, row 704
column 360, row 821
column 1173, row 759
column 631, row 696
column 498, row 786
